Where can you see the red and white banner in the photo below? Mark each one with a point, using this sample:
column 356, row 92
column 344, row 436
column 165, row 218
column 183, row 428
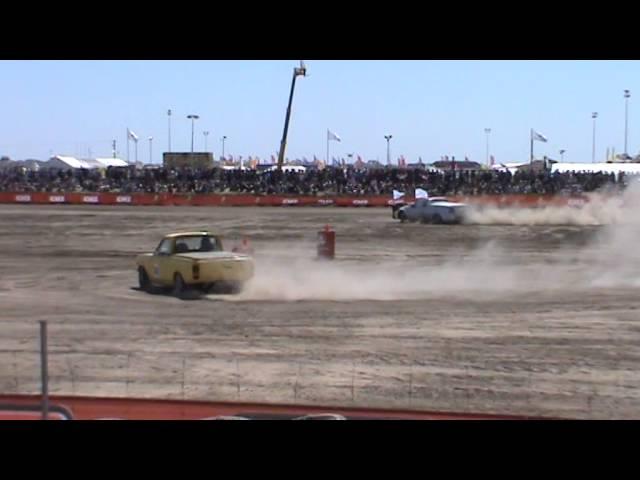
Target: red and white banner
column 167, row 199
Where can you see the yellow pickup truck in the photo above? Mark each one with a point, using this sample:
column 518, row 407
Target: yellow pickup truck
column 193, row 260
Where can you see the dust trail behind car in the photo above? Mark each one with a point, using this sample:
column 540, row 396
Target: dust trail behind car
column 599, row 211
column 490, row 270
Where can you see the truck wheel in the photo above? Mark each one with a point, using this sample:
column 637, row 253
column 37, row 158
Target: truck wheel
column 402, row 216
column 437, row 219
column 178, row 286
column 143, row 279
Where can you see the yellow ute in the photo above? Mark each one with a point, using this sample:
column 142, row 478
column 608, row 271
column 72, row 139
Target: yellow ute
column 193, row 260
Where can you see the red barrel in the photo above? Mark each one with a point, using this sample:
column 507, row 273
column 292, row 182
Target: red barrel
column 326, row 243
column 245, row 248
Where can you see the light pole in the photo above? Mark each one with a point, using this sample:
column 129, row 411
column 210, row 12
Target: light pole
column 562, row 155
column 594, row 115
column 150, row 149
column 388, row 137
column 627, row 94
column 206, row 134
column 169, row 116
column 193, row 119
column 224, row 137
column 298, row 71
column 487, row 131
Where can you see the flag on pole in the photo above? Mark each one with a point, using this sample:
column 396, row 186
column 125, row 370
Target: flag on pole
column 420, row 193
column 332, row 136
column 397, row 196
column 132, row 135
column 539, row 136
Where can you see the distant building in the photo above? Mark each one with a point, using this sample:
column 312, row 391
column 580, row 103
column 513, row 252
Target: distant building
column 63, row 162
column 373, row 164
column 187, row 159
column 457, row 165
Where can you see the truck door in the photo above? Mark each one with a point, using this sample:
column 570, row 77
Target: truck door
column 160, row 262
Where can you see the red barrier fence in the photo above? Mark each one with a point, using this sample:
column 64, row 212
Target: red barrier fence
column 88, row 408
column 216, row 200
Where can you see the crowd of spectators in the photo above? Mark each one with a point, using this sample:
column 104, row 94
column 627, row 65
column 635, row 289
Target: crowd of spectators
column 328, row 181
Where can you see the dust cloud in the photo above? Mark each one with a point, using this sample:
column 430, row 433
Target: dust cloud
column 610, row 259
column 599, row 211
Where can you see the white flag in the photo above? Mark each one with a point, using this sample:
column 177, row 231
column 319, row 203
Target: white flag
column 333, row 136
column 132, row 135
column 539, row 136
column 398, row 195
column 420, row 193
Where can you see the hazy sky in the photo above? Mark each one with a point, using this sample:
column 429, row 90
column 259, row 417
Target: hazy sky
column 432, row 108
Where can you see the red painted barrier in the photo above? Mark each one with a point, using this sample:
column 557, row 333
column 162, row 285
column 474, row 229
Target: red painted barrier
column 214, row 200
column 86, row 408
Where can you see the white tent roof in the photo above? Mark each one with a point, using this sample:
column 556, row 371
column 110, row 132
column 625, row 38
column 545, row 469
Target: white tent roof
column 72, row 162
column 112, row 162
column 289, row 168
column 511, row 167
column 233, row 167
column 632, row 168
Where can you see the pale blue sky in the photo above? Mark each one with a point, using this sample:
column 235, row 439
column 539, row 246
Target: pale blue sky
column 432, row 108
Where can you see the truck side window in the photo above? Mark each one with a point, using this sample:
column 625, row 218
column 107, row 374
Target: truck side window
column 164, row 247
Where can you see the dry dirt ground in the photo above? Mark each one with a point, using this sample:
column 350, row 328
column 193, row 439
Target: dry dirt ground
column 538, row 320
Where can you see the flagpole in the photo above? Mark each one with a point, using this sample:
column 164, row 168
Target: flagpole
column 128, row 159
column 531, row 160
column 327, row 147
column 169, row 115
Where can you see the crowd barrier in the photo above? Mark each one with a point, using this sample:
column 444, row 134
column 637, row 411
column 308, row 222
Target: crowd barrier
column 217, row 200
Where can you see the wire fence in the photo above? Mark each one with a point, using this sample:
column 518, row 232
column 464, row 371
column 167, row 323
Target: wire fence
column 579, row 392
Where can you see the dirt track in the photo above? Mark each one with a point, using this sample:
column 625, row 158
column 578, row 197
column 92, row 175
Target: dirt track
column 510, row 319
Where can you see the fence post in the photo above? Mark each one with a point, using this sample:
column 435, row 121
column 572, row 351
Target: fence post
column 295, row 385
column 73, row 379
column 126, row 386
column 184, row 366
column 237, row 378
column 15, row 371
column 593, row 396
column 410, row 384
column 353, row 381
column 44, row 369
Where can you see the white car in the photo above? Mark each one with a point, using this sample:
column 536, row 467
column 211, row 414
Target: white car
column 433, row 210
